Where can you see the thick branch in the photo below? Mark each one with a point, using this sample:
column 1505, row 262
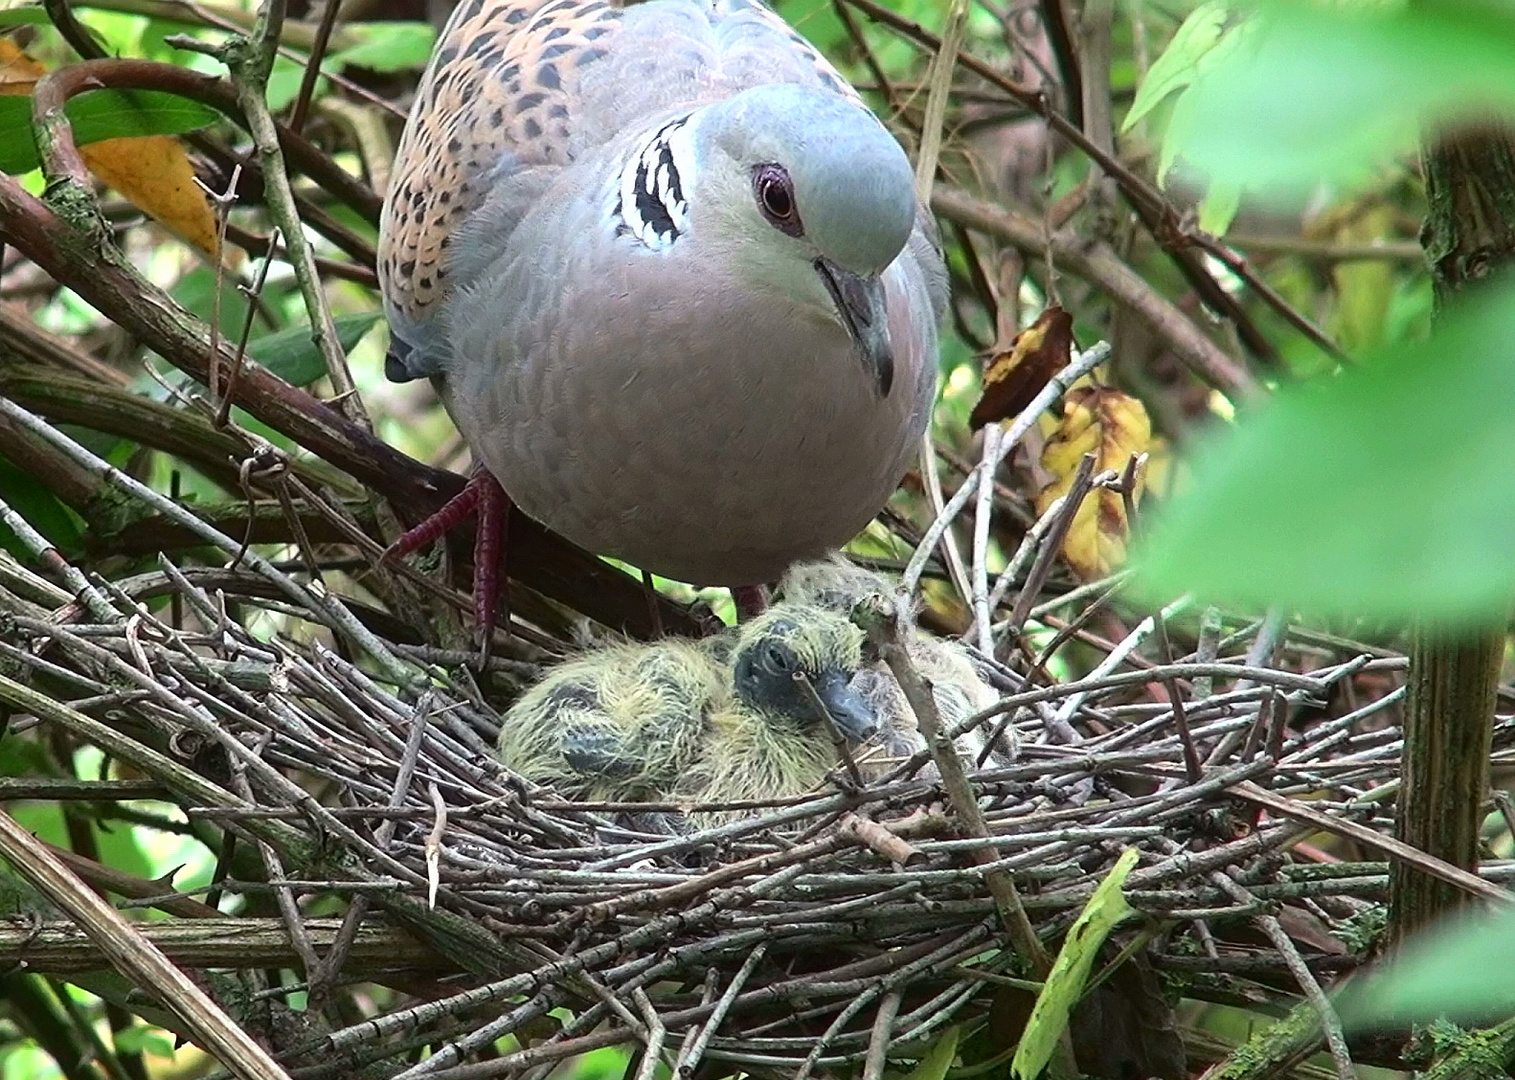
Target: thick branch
column 1449, row 710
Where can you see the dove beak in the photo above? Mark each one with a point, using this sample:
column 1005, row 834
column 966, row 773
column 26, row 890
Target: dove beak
column 853, row 717
column 863, row 309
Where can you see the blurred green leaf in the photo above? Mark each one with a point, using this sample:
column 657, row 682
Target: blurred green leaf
column 1178, row 65
column 817, row 20
column 42, row 511
column 24, row 757
column 1364, row 287
column 1331, row 93
column 292, row 354
column 1386, row 491
column 284, row 83
column 97, row 115
column 196, row 293
column 1460, row 970
column 142, row 1038
column 119, row 847
column 25, row 15
column 1218, row 208
column 1070, row 971
column 606, row 1063
column 386, row 46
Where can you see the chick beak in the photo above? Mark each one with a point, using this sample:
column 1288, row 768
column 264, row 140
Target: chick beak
column 848, row 709
column 864, row 311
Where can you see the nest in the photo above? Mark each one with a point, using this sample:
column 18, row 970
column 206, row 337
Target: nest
column 366, row 820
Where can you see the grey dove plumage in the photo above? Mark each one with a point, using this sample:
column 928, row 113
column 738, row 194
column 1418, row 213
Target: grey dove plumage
column 669, row 275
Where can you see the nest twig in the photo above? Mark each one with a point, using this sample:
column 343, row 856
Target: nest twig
column 774, row 943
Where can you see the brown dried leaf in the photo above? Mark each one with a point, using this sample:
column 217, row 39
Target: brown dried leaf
column 1015, row 375
column 18, row 72
column 1112, row 426
column 152, row 171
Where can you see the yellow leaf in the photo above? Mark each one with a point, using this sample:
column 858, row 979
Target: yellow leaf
column 1112, row 426
column 152, row 171
column 1364, row 287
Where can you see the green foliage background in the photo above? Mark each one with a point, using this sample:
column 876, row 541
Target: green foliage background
column 1378, row 487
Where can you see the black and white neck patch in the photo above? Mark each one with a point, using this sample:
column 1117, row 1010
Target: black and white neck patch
column 651, row 205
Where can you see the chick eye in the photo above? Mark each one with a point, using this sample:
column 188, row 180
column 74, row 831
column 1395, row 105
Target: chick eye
column 775, row 198
column 778, row 659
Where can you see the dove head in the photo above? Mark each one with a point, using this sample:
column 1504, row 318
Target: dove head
column 814, row 198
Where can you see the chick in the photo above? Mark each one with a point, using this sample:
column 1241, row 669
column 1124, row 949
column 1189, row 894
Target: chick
column 770, row 739
column 956, row 686
column 620, row 723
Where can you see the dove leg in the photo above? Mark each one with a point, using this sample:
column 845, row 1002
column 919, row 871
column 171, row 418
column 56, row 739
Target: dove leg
column 485, row 499
column 750, row 600
column 489, row 554
column 453, row 513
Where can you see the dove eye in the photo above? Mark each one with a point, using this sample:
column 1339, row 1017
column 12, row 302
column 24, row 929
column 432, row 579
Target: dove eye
column 775, row 198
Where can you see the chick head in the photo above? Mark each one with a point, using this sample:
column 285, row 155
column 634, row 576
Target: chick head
column 834, row 583
column 791, row 644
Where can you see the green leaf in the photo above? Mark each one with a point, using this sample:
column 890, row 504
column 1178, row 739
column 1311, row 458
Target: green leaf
column 1384, row 492
column 386, row 46
column 1179, row 63
column 1070, row 971
column 1364, row 287
column 1218, row 208
column 284, row 83
column 25, row 15
column 1460, row 970
column 292, row 354
column 97, row 115
column 40, row 509
column 938, row 1059
column 1331, row 93
column 142, row 1038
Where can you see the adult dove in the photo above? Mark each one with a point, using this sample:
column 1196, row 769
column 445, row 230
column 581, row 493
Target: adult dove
column 670, row 278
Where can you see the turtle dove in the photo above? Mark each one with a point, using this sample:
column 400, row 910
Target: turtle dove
column 669, row 276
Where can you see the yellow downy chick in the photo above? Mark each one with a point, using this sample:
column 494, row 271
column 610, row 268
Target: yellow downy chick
column 946, row 666
column 770, row 740
column 619, row 724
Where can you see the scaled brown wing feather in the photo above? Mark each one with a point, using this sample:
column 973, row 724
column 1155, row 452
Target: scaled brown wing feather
column 496, row 95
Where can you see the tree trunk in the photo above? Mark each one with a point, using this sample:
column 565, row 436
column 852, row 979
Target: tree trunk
column 1449, row 712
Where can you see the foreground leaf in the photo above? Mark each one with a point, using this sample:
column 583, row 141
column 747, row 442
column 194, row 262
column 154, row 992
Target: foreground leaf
column 94, row 116
column 1460, row 970
column 1179, row 63
column 1331, row 93
column 1070, row 971
column 1385, row 492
